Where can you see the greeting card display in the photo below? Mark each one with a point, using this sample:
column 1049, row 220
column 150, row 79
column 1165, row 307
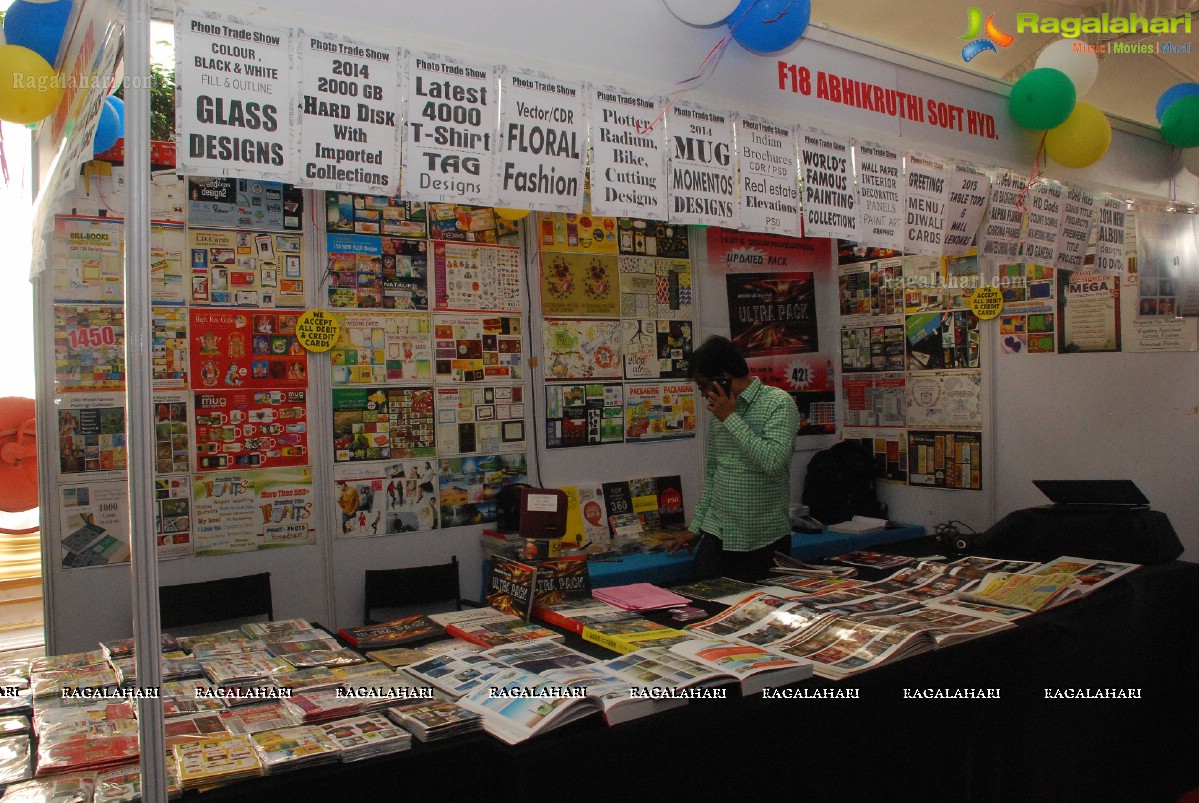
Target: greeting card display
column 382, row 423
column 246, row 349
column 377, row 348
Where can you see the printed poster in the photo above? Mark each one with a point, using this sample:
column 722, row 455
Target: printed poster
column 88, row 259
column 382, row 423
column 584, row 414
column 655, row 287
column 652, row 238
column 386, row 498
column 95, row 524
column 543, row 142
column 1028, row 333
column 249, row 510
column 628, row 154
column 475, row 349
column 349, row 127
column 853, row 293
column 1004, row 219
column 172, row 441
column 945, row 460
column 582, row 349
column 583, row 234
column 471, row 224
column 477, row 277
column 938, row 340
column 659, row 411
column 469, row 485
column 449, row 139
column 923, row 284
column 1088, row 312
column 89, row 348
column 944, row 399
column 808, row 380
column 232, row 78
column 172, row 516
column 388, row 215
column 91, row 434
column 731, row 251
column 656, row 349
column 1149, row 332
column 874, row 400
column 926, row 192
column 829, row 199
column 246, row 349
column 381, row 348
column 872, row 348
column 702, row 177
column 169, row 347
column 377, row 272
column 581, row 284
column 476, row 419
column 251, row 429
column 240, row 203
column 769, row 177
column 772, row 313
column 890, row 450
column 245, row 269
column 886, row 288
column 1169, row 255
column 880, row 171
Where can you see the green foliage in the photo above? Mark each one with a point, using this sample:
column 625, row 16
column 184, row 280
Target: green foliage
column 162, row 103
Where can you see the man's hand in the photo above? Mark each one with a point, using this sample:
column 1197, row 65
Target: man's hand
column 684, row 539
column 721, row 403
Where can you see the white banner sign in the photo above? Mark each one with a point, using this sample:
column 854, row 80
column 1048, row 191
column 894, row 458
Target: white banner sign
column 543, row 139
column 769, row 177
column 1075, row 234
column 349, row 115
column 1001, row 232
column 829, row 200
column 1110, row 255
column 703, row 186
column 968, row 191
column 1044, row 223
column 628, row 158
column 880, row 170
column 233, row 89
column 926, row 190
column 451, row 132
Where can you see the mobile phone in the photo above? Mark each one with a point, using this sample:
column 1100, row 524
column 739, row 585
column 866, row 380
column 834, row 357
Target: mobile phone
column 725, row 382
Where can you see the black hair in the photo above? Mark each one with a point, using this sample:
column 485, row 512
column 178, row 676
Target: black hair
column 717, row 355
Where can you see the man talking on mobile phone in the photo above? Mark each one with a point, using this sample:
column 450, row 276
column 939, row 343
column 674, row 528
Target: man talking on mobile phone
column 742, row 515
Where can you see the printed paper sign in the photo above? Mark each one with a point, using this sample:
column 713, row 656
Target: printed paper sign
column 172, row 443
column 880, row 171
column 543, row 139
column 582, row 349
column 1045, row 205
column 88, row 260
column 349, row 117
column 233, row 85
column 945, row 460
column 808, row 380
column 656, row 349
column 378, row 272
column 450, row 136
column 89, row 348
column 1110, row 254
column 584, row 234
column 875, row 400
column 829, row 200
column 948, row 399
column 91, row 434
column 1088, row 311
column 926, row 190
column 476, row 349
column 967, row 200
column 169, row 346
column 381, row 348
column 580, row 284
column 769, row 177
column 238, row 203
column 480, row 419
column 584, row 415
column 469, row 485
column 348, row 213
column 251, row 429
column 382, row 423
column 703, row 186
column 471, row 276
column 246, row 349
column 628, row 158
column 1075, row 235
column 172, row 516
column 654, row 288
column 1004, row 219
column 659, row 410
column 245, row 269
column 772, row 313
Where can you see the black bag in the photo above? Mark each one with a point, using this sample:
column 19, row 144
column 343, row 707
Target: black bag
column 840, row 484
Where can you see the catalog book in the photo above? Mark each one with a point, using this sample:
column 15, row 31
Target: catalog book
column 489, row 627
column 405, row 630
column 511, row 586
column 1026, row 592
column 632, row 634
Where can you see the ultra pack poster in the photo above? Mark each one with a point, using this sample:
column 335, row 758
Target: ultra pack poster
column 772, row 313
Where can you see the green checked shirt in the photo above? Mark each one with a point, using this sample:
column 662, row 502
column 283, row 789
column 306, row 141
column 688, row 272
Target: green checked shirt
column 747, row 478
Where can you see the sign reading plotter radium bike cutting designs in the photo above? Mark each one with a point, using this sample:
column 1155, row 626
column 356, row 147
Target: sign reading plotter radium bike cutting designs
column 449, row 139
column 543, row 139
column 880, row 171
column 628, row 156
column 233, row 87
column 703, row 181
column 349, row 115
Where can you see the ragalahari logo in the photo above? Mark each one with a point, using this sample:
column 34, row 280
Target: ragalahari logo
column 994, row 36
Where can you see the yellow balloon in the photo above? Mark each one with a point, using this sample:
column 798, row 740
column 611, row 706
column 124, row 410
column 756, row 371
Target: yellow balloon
column 1082, row 139
column 511, row 214
column 29, row 88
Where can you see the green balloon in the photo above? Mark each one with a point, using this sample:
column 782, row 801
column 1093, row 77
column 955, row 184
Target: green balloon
column 1042, row 99
column 1180, row 122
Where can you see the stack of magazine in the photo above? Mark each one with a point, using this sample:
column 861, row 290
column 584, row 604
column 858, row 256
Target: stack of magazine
column 433, row 720
column 367, row 736
column 285, row 749
column 216, row 759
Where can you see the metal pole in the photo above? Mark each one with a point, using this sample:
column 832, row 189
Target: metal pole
column 139, row 400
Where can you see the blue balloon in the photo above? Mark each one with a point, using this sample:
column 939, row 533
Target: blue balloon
column 1172, row 94
column 765, row 26
column 38, row 26
column 119, row 105
column 108, row 129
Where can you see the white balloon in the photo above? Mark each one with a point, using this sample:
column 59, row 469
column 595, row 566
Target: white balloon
column 702, row 12
column 1190, row 160
column 1080, row 67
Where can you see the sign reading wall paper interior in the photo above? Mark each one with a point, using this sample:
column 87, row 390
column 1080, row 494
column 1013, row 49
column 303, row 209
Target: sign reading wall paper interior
column 628, row 157
column 926, row 192
column 703, row 185
column 543, row 138
column 449, row 139
column 233, row 89
column 880, row 171
column 349, row 118
column 769, row 177
column 829, row 201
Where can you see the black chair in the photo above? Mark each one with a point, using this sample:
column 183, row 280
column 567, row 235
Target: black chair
column 221, row 600
column 416, row 585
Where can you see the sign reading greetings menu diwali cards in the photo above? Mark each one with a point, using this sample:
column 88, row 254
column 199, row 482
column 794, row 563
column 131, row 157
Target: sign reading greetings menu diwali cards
column 233, row 87
column 543, row 138
column 769, row 177
column 703, row 185
column 829, row 203
column 450, row 132
column 926, row 193
column 350, row 123
column 628, row 157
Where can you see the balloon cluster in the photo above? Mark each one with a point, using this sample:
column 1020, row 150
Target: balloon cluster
column 29, row 87
column 763, row 26
column 1178, row 113
column 1046, row 99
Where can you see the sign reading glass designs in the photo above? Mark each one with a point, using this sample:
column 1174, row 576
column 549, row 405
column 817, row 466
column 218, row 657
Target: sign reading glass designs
column 542, row 144
column 703, row 186
column 628, row 158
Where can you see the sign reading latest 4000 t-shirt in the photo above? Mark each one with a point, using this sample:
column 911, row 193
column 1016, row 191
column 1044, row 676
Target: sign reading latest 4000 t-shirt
column 233, row 87
column 349, row 115
column 543, row 137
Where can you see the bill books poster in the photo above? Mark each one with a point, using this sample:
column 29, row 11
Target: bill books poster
column 808, row 379
column 772, row 313
column 249, row 510
column 385, row 498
